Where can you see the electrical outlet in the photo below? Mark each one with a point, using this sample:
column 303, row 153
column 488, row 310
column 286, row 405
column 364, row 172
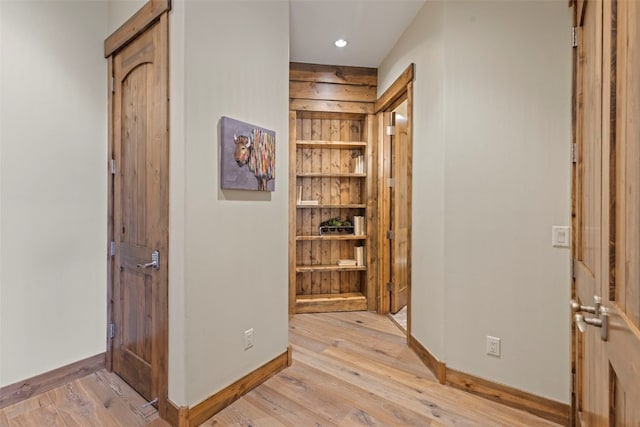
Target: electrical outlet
column 248, row 339
column 493, row 346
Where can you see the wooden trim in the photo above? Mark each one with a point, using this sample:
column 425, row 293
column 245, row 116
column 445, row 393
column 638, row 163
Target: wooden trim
column 177, row 416
column 327, row 106
column 323, row 303
column 332, row 91
column 292, row 212
column 409, row 199
column 42, row 383
column 333, row 74
column 384, row 200
column 439, row 369
column 541, row 406
column 289, row 355
column 396, row 90
column 215, row 403
column 137, row 24
column 544, row 408
column 108, row 363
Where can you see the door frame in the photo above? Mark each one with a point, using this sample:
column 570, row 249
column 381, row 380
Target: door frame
column 152, row 12
column 400, row 90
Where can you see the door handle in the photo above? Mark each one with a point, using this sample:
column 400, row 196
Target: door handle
column 595, row 309
column 155, row 261
column 602, row 322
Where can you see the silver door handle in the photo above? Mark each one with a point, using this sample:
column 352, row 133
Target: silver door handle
column 155, row 261
column 595, row 309
column 602, row 322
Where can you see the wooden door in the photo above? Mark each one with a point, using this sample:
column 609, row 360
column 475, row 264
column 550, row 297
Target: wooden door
column 394, row 192
column 607, row 214
column 400, row 208
column 622, row 294
column 140, row 214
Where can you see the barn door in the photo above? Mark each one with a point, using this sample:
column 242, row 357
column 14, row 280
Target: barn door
column 140, row 213
column 607, row 244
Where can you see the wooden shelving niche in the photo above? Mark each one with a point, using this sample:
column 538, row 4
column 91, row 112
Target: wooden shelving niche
column 325, row 183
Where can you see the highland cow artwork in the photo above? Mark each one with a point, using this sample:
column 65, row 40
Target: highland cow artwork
column 248, row 156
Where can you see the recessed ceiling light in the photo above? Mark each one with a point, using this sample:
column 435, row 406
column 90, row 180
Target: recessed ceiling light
column 341, row 43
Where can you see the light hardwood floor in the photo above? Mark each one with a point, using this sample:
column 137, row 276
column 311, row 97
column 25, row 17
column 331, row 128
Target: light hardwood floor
column 349, row 369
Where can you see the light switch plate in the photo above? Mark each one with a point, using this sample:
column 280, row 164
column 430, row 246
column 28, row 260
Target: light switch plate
column 560, row 236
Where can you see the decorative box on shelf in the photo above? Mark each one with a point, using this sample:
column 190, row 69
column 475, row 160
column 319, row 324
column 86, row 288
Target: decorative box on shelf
column 329, row 229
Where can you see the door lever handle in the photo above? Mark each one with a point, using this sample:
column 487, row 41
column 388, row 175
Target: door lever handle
column 595, row 309
column 155, row 261
column 602, row 323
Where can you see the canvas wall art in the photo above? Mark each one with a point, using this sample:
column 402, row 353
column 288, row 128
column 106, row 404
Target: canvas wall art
column 248, row 156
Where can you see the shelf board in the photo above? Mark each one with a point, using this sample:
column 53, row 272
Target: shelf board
column 333, row 237
column 330, row 144
column 329, row 267
column 331, row 175
column 346, row 206
column 352, row 301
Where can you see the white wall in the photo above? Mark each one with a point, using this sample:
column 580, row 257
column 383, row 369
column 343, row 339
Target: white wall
column 236, row 64
column 53, row 157
column 121, row 10
column 506, row 105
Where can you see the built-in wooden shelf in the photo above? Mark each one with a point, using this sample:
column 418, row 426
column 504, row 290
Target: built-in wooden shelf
column 333, row 237
column 331, row 302
column 329, row 267
column 330, row 175
column 330, row 144
column 343, row 206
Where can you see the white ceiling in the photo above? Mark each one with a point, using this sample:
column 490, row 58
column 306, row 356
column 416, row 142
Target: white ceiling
column 372, row 28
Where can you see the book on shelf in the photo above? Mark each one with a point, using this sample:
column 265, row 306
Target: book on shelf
column 358, row 164
column 359, row 254
column 299, row 198
column 347, row 262
column 308, row 203
column 358, row 225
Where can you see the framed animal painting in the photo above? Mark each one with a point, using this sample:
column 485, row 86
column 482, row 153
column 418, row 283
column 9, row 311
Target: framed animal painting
column 248, row 156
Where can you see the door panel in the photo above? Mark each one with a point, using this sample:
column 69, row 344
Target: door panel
column 623, row 347
column 401, row 210
column 589, row 208
column 140, row 199
column 608, row 211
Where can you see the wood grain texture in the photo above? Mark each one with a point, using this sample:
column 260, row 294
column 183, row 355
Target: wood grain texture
column 540, row 406
column 437, row 368
column 331, row 92
column 17, row 392
column 177, row 416
column 137, row 24
column 327, row 106
column 396, row 90
column 333, row 74
column 344, row 301
column 98, row 399
column 355, row 369
column 293, row 254
column 212, row 405
column 348, row 369
column 141, row 210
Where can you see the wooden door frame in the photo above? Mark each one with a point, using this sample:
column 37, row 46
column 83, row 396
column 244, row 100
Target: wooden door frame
column 152, row 12
column 401, row 89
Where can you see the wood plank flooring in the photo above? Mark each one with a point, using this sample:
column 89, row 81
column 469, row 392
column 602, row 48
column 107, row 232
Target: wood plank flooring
column 349, row 369
column 354, row 369
column 99, row 399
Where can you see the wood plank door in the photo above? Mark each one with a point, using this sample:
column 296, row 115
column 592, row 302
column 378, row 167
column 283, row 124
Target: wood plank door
column 394, row 192
column 622, row 296
column 607, row 187
column 140, row 214
column 400, row 207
